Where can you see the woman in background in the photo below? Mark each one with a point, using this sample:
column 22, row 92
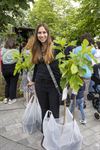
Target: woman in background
column 8, row 66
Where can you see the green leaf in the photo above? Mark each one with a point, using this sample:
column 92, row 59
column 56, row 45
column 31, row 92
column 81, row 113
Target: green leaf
column 60, row 55
column 74, row 69
column 85, row 42
column 63, row 83
column 72, row 43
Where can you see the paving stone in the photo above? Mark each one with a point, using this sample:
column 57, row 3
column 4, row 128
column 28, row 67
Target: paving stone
column 89, row 140
column 10, row 145
column 87, row 133
column 95, row 146
column 2, row 130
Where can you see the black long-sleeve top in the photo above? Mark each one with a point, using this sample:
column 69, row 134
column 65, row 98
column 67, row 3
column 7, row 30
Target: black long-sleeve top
column 41, row 72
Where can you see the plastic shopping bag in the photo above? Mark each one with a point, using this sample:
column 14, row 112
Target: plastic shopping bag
column 59, row 136
column 65, row 93
column 32, row 117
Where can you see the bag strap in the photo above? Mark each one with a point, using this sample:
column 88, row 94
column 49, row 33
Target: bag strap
column 53, row 78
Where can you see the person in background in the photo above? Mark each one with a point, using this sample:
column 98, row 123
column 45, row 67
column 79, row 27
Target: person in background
column 98, row 44
column 27, row 73
column 80, row 101
column 96, row 66
column 97, row 55
column 8, row 66
column 42, row 54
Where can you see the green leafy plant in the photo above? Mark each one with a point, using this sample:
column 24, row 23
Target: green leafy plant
column 23, row 61
column 73, row 69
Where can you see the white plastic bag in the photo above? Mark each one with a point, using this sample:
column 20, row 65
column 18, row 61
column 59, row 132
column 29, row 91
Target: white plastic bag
column 64, row 94
column 32, row 117
column 59, row 136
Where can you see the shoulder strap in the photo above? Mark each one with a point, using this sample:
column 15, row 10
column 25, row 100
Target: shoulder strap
column 53, row 78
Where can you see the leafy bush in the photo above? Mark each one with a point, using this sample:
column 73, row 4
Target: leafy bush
column 23, row 61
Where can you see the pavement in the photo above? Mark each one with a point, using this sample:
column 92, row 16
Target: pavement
column 12, row 136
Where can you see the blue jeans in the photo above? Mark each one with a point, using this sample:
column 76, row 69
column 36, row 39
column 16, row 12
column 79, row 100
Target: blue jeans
column 80, row 105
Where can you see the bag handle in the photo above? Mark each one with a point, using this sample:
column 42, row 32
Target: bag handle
column 31, row 99
column 48, row 112
column 64, row 112
column 74, row 103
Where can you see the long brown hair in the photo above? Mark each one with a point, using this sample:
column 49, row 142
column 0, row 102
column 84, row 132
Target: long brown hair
column 29, row 44
column 37, row 47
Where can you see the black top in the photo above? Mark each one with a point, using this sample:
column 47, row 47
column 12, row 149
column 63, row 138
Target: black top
column 41, row 72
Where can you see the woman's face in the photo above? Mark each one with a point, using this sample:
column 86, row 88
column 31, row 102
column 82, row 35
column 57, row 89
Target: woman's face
column 42, row 34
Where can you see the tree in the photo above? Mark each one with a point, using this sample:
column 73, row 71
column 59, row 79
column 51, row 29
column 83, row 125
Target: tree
column 66, row 20
column 88, row 17
column 9, row 10
column 43, row 12
column 58, row 14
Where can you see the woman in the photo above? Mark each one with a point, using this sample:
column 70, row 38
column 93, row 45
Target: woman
column 42, row 54
column 8, row 66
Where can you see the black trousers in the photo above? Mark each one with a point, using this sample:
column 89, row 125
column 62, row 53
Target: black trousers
column 48, row 97
column 11, row 80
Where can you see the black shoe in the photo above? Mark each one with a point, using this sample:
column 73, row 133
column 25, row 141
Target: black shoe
column 97, row 115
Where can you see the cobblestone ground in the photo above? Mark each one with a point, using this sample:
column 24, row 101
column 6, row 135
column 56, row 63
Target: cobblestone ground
column 13, row 138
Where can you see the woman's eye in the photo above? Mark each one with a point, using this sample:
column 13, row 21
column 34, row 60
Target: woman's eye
column 42, row 32
column 39, row 32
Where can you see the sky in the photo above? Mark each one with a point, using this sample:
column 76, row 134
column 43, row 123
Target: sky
column 75, row 4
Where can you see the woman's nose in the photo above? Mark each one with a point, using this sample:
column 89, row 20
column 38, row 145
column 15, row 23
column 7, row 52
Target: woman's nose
column 42, row 34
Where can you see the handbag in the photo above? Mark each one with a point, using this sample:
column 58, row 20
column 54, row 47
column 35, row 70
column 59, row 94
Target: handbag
column 32, row 118
column 62, row 133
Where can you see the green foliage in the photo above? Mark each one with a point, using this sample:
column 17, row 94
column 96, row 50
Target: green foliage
column 23, row 62
column 88, row 17
column 9, row 10
column 8, row 31
column 72, row 70
column 43, row 12
column 62, row 17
